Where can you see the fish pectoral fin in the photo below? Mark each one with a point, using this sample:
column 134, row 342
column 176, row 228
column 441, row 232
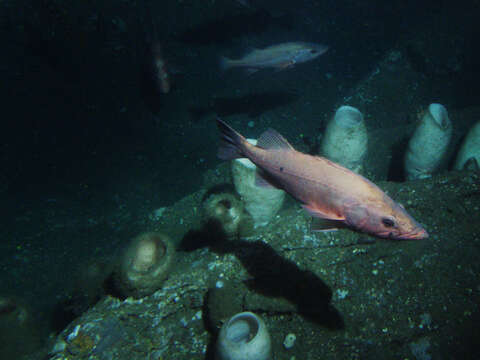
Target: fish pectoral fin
column 317, row 213
column 264, row 181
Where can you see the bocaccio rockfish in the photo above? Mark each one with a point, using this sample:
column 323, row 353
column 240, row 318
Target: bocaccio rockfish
column 278, row 57
column 326, row 190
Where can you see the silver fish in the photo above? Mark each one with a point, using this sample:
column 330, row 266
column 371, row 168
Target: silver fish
column 278, row 57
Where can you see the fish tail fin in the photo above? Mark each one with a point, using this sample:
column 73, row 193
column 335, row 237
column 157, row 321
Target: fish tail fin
column 225, row 63
column 232, row 143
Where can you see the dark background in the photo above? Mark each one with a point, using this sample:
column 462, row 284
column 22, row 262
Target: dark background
column 85, row 140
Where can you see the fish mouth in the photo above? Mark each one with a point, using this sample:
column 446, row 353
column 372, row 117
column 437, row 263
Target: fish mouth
column 417, row 234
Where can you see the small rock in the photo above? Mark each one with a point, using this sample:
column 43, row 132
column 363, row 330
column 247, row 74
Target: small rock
column 289, row 341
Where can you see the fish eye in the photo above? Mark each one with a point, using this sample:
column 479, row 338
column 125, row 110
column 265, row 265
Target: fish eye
column 388, row 222
column 313, row 51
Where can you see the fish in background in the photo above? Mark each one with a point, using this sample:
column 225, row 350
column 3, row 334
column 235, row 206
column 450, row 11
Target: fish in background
column 279, row 57
column 156, row 74
column 159, row 69
column 327, row 191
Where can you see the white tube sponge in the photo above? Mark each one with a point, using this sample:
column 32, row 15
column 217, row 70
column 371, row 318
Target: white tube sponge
column 470, row 148
column 260, row 202
column 429, row 143
column 244, row 337
column 345, row 140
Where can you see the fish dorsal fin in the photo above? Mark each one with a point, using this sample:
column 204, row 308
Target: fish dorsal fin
column 272, row 140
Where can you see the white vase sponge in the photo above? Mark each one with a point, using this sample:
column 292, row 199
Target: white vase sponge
column 19, row 331
column 244, row 337
column 429, row 143
column 345, row 140
column 261, row 203
column 470, row 148
column 225, row 209
column 145, row 265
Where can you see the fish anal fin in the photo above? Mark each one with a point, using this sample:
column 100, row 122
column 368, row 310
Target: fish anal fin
column 285, row 65
column 272, row 140
column 318, row 213
column 251, row 71
column 324, row 225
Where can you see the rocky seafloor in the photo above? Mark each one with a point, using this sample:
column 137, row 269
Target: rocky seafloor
column 343, row 294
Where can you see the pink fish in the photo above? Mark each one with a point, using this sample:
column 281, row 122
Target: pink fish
column 279, row 57
column 326, row 190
